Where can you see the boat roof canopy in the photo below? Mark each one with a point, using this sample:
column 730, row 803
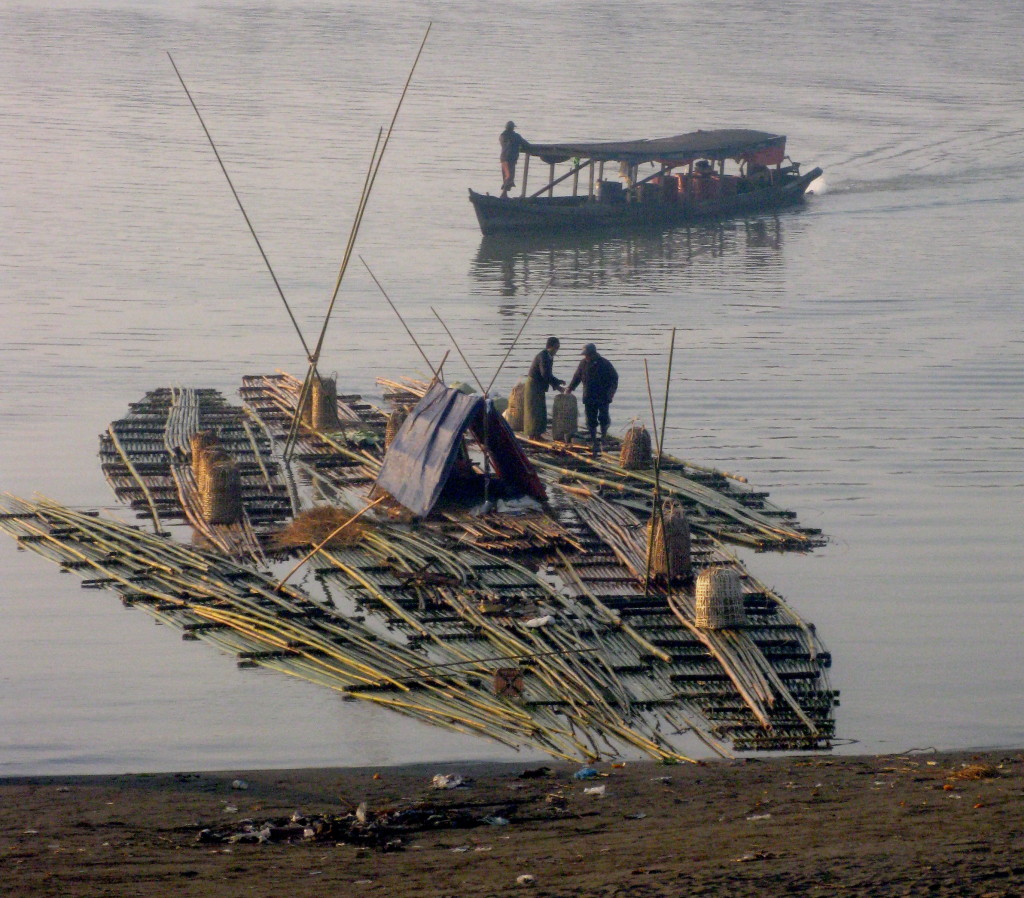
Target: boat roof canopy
column 732, row 143
column 421, row 458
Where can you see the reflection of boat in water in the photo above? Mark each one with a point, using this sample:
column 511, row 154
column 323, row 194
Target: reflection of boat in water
column 650, row 257
column 691, row 183
column 550, row 619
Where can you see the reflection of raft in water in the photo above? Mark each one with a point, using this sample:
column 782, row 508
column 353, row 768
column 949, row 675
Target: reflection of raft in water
column 542, row 623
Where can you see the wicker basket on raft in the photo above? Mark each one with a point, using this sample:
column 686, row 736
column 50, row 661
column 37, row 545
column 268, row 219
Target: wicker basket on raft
column 635, row 453
column 719, row 599
column 221, row 498
column 514, row 412
column 395, row 421
column 206, row 449
column 321, row 410
column 218, row 479
column 565, row 417
column 669, row 538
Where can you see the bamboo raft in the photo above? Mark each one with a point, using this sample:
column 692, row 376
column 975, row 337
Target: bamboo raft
column 146, row 458
column 538, row 629
column 456, row 648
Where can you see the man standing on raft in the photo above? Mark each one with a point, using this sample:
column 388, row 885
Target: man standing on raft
column 538, row 380
column 511, row 143
column 600, row 381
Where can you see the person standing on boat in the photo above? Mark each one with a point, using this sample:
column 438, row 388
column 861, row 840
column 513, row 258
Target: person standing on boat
column 511, row 144
column 538, row 380
column 600, row 381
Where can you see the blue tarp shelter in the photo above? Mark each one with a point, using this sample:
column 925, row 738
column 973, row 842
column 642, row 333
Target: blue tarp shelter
column 422, row 456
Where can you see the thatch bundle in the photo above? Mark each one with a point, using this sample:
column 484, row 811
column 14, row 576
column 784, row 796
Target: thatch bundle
column 669, row 539
column 514, row 412
column 221, row 493
column 719, row 599
column 565, row 417
column 395, row 421
column 636, row 449
column 311, row 527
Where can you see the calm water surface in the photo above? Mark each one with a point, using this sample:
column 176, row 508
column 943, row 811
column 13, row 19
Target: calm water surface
column 860, row 357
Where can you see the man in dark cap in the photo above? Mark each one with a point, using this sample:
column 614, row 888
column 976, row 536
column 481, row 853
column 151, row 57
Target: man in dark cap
column 540, row 378
column 511, row 143
column 600, row 381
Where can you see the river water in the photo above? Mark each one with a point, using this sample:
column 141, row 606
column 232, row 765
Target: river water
column 860, row 357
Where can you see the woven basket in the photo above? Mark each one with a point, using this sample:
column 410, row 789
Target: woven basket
column 514, row 412
column 203, row 460
column 221, row 498
column 636, row 449
column 670, row 546
column 719, row 599
column 324, row 404
column 202, row 439
column 395, row 421
column 565, row 417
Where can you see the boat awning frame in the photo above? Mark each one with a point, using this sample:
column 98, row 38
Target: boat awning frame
column 733, row 143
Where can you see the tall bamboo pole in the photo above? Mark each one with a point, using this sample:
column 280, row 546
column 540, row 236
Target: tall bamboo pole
column 458, row 349
column 394, row 309
column 375, row 168
column 657, row 510
column 241, row 208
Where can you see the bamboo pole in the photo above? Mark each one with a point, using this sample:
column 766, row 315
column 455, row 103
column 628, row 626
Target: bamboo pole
column 137, row 477
column 238, row 200
column 458, row 349
column 394, row 308
column 519, row 334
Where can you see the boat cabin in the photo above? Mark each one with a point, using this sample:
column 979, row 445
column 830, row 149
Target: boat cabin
column 661, row 181
column 687, row 166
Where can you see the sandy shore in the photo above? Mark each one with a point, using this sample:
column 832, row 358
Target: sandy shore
column 916, row 824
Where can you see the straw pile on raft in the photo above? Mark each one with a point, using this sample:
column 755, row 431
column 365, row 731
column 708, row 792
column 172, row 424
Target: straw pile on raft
column 322, row 525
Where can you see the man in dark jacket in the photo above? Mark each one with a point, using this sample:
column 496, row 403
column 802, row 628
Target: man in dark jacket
column 511, row 143
column 539, row 380
column 600, row 381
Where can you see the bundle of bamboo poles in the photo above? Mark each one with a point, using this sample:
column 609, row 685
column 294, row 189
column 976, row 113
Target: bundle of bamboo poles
column 293, row 633
column 756, row 529
column 565, row 673
column 162, row 576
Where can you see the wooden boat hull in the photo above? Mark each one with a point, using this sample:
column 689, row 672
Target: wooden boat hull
column 518, row 215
